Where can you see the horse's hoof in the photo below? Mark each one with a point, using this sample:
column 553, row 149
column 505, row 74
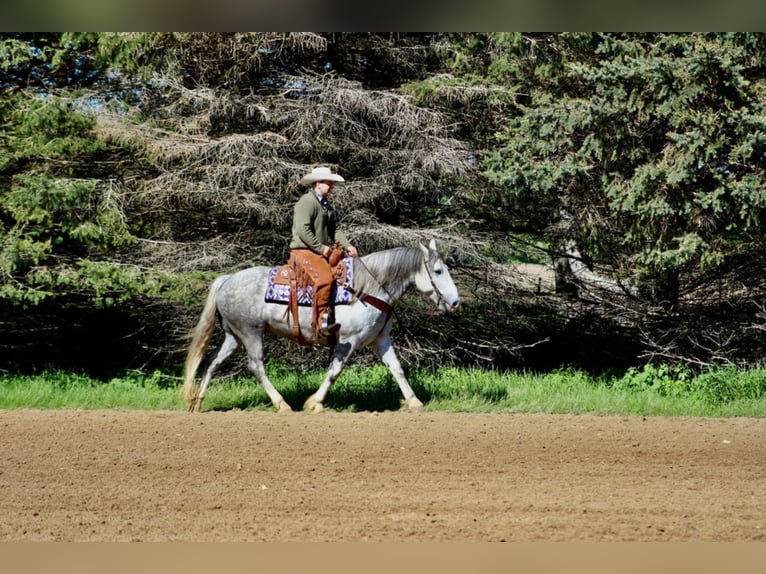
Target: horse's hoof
column 414, row 405
column 312, row 405
column 195, row 406
column 284, row 408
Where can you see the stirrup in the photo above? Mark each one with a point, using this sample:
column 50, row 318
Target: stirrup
column 327, row 328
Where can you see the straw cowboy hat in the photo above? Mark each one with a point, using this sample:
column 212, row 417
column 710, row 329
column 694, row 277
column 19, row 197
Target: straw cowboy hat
column 321, row 174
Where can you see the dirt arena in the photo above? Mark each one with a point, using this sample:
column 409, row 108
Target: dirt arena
column 252, row 476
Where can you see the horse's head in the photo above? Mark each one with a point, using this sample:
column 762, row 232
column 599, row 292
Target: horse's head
column 436, row 281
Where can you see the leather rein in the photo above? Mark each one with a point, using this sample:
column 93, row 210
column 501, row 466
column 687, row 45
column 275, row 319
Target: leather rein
column 380, row 304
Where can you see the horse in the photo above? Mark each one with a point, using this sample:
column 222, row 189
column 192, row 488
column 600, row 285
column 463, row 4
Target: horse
column 379, row 280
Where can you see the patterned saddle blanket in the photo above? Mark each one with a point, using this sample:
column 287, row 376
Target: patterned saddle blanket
column 278, row 288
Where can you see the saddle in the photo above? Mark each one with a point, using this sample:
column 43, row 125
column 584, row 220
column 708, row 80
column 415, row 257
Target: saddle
column 292, row 286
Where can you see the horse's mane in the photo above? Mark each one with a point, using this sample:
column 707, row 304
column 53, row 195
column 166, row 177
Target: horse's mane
column 390, row 266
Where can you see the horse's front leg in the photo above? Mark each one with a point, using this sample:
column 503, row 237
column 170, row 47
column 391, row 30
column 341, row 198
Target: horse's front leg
column 341, row 354
column 385, row 350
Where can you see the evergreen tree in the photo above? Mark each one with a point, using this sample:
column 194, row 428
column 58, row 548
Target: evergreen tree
column 646, row 152
column 139, row 161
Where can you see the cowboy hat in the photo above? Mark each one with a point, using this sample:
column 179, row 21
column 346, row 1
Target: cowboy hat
column 321, row 174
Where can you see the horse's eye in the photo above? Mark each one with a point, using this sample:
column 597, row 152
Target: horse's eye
column 438, row 271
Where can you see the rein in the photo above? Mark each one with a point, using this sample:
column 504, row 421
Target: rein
column 379, row 304
column 384, row 306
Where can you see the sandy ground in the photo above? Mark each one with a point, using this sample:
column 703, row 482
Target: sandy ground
column 393, row 476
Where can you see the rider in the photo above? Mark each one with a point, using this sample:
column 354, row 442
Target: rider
column 314, row 236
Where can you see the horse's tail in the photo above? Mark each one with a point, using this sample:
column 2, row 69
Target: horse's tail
column 201, row 336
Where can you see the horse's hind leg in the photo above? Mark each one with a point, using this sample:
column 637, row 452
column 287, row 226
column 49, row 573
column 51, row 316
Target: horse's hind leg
column 315, row 402
column 224, row 350
column 385, row 350
column 254, row 345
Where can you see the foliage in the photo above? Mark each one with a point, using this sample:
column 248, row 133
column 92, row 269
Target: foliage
column 646, row 153
column 134, row 162
column 729, row 385
column 134, row 167
column 49, row 214
column 661, row 380
column 657, row 140
column 651, row 391
column 54, row 390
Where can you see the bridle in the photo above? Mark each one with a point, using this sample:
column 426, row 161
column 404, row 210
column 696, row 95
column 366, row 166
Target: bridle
column 388, row 307
column 439, row 295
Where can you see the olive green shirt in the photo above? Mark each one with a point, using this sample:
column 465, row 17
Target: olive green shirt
column 314, row 225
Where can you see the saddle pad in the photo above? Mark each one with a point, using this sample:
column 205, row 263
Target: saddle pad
column 278, row 287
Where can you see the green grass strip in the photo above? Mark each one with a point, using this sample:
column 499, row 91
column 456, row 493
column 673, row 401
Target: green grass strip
column 651, row 391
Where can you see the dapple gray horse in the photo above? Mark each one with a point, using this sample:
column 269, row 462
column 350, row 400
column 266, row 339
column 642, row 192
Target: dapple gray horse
column 380, row 279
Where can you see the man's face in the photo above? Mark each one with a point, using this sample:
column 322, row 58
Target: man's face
column 324, row 187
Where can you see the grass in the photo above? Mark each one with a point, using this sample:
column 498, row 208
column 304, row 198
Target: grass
column 60, row 390
column 576, row 392
column 651, row 391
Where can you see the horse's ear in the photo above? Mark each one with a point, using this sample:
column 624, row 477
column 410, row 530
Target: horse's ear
column 432, row 245
column 424, row 249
